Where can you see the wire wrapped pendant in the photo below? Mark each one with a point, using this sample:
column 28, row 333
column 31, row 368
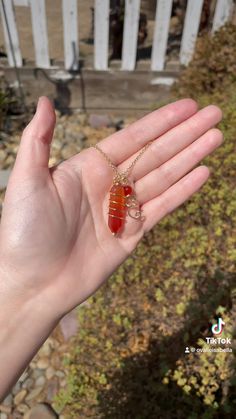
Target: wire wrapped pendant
column 122, row 201
column 122, row 198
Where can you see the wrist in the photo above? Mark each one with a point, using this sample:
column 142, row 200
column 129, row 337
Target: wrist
column 21, row 308
column 25, row 323
column 29, row 317
column 17, row 292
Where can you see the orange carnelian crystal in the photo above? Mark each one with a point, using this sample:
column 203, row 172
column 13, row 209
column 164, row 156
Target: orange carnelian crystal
column 117, row 208
column 116, row 217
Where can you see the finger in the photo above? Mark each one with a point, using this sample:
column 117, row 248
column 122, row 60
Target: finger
column 35, row 143
column 173, row 141
column 176, row 195
column 123, row 144
column 160, row 179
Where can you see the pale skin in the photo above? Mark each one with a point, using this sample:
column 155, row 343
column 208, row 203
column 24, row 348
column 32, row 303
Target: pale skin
column 55, row 247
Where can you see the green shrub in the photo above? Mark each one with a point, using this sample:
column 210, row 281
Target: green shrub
column 3, row 104
column 213, row 68
column 10, row 104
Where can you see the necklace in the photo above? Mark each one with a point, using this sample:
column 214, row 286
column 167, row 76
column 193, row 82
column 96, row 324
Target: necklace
column 122, row 199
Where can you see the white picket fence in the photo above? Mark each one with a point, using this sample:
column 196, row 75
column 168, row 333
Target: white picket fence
column 222, row 13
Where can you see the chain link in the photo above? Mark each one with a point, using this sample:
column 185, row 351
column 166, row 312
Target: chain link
column 122, row 176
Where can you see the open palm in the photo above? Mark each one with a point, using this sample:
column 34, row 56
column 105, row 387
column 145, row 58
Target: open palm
column 54, row 231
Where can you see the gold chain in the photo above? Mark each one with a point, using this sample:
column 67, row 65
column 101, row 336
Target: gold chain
column 122, row 176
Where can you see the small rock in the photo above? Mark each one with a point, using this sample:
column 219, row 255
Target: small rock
column 19, row 397
column 40, row 381
column 8, row 400
column 23, row 377
column 9, row 161
column 76, row 137
column 60, row 374
column 59, row 135
column 42, row 411
column 15, row 149
column 63, row 382
column 3, row 416
column 3, row 155
column 15, row 415
column 72, row 127
column 36, row 373
column 4, row 176
column 52, row 389
column 28, row 383
column 55, row 344
column 118, row 124
column 34, row 393
column 4, row 136
column 83, row 119
column 50, row 372
column 33, row 364
column 42, row 363
column 99, row 121
column 5, row 409
column 69, row 150
column 57, row 144
column 45, row 350
column 58, row 113
column 16, row 388
column 52, row 161
column 63, row 119
column 81, row 137
column 69, row 325
column 23, row 408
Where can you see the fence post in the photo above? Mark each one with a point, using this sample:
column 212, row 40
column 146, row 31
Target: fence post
column 222, row 13
column 70, row 33
column 191, row 26
column 40, row 35
column 162, row 22
column 130, row 34
column 101, row 34
column 9, row 27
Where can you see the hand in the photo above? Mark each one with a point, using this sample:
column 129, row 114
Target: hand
column 54, row 241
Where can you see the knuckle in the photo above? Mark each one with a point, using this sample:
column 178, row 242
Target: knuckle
column 169, row 114
column 166, row 204
column 167, row 173
column 193, row 124
column 196, row 153
column 158, row 151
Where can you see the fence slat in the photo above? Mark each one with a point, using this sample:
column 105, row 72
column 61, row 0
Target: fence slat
column 21, row 3
column 222, row 13
column 130, row 34
column 40, row 35
column 70, row 28
column 191, row 26
column 162, row 21
column 7, row 11
column 101, row 34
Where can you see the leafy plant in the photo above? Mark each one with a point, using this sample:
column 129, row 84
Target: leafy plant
column 9, row 103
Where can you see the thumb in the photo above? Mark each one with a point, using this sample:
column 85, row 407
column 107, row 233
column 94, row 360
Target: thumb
column 36, row 139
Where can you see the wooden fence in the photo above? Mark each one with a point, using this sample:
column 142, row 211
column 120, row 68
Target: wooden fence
column 70, row 19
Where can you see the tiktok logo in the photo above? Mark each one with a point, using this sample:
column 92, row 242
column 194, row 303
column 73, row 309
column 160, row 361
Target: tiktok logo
column 218, row 327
